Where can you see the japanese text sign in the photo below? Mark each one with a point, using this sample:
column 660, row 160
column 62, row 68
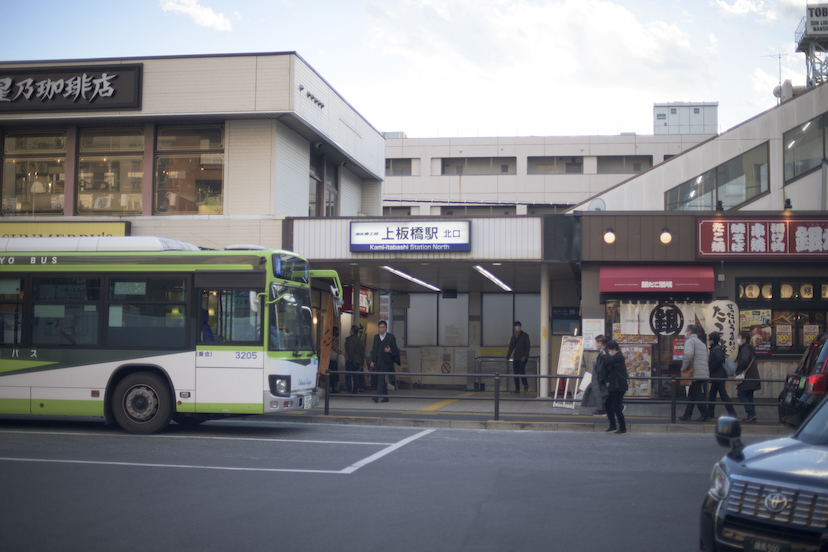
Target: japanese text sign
column 70, row 88
column 763, row 238
column 411, row 236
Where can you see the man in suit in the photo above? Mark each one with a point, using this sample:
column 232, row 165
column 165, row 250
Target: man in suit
column 384, row 355
column 519, row 344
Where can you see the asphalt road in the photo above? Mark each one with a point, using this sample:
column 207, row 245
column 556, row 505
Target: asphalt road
column 258, row 485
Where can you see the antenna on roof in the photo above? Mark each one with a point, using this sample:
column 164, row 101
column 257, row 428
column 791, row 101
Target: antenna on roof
column 597, row 204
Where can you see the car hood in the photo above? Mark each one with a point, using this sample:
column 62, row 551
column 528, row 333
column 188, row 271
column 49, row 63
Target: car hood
column 786, row 460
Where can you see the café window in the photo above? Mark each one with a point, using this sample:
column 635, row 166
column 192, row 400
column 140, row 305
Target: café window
column 110, row 171
column 34, row 173
column 189, row 170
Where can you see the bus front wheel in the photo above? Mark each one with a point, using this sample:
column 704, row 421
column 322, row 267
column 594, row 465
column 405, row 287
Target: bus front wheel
column 142, row 403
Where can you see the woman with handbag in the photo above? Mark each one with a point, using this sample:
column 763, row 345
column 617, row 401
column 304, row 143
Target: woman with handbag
column 747, row 373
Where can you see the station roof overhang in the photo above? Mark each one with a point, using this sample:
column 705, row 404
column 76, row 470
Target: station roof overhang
column 449, row 275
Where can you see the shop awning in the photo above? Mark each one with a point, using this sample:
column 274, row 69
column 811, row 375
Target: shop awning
column 626, row 279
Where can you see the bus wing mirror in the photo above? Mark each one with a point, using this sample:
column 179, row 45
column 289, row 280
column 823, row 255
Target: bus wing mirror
column 254, row 300
column 337, row 300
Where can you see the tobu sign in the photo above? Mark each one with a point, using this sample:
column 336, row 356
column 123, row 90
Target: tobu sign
column 70, row 88
column 762, row 238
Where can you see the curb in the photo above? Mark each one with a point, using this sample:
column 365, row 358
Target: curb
column 570, row 427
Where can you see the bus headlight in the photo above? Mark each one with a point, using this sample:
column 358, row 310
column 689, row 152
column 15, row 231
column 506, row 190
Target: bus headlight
column 279, row 385
column 719, row 483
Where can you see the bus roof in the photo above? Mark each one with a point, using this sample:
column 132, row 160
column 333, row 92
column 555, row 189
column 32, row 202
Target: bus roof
column 86, row 244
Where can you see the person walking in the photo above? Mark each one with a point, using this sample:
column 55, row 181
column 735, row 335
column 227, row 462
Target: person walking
column 354, row 359
column 615, row 366
column 597, row 393
column 716, row 365
column 520, row 345
column 384, row 355
column 747, row 373
column 695, row 357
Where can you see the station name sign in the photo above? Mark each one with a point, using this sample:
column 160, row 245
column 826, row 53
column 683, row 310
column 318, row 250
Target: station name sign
column 762, row 238
column 70, row 88
column 415, row 236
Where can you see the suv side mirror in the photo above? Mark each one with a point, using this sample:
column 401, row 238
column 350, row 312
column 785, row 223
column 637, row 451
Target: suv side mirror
column 729, row 434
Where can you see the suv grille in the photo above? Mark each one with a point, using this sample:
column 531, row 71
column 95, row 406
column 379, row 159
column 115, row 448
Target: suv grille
column 804, row 508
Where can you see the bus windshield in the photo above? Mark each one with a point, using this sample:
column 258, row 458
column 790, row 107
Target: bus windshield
column 291, row 319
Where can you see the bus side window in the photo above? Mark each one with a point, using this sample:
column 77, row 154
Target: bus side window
column 227, row 317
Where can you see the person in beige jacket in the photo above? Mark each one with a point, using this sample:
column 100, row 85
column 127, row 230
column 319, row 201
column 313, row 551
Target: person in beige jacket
column 695, row 356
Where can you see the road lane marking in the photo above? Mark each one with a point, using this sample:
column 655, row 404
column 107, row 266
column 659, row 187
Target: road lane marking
column 354, row 467
column 347, row 471
column 442, row 404
column 202, row 437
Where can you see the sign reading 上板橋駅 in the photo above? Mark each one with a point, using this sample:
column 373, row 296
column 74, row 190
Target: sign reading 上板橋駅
column 763, row 238
column 70, row 88
column 416, row 236
column 816, row 20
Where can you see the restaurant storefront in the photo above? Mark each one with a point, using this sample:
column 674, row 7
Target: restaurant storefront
column 758, row 272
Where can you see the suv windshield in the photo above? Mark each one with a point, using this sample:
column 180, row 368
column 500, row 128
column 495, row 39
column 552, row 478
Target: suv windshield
column 815, row 431
column 291, row 319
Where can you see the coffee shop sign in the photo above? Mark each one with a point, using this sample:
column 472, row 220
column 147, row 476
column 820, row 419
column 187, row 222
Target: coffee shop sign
column 84, row 86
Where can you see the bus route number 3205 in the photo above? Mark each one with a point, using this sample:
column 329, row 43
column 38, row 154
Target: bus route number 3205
column 241, row 355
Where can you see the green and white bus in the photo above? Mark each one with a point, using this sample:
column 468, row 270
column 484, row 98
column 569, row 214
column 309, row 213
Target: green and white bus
column 144, row 330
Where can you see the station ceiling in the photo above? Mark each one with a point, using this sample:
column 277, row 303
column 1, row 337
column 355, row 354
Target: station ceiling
column 448, row 275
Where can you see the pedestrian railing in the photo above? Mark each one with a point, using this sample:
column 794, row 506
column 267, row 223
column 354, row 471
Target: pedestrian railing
column 674, row 401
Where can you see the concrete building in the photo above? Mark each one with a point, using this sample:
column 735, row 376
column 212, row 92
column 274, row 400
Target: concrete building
column 521, row 175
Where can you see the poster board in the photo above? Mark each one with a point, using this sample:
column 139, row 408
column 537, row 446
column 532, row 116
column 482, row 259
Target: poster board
column 591, row 328
column 639, row 361
column 327, row 340
column 569, row 364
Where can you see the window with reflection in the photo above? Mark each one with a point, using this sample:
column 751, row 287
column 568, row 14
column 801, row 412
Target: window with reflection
column 730, row 184
column 110, row 171
column 11, row 311
column 189, row 170
column 34, row 173
column 804, row 148
column 147, row 312
column 65, row 311
column 291, row 319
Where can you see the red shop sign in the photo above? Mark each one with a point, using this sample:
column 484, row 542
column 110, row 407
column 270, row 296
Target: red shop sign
column 762, row 238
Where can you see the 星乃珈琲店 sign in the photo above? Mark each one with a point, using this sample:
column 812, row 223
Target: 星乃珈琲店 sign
column 762, row 238
column 411, row 236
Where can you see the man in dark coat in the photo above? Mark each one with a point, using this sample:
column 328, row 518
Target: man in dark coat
column 384, row 355
column 520, row 345
column 354, row 359
column 716, row 363
column 616, row 372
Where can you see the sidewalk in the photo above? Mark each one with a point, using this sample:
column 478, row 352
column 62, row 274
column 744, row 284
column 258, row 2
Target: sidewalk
column 475, row 410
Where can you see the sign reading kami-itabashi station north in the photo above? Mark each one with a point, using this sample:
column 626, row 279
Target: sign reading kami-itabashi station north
column 415, row 236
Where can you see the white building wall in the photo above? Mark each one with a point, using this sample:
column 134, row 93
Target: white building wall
column 337, row 120
column 292, row 169
column 350, row 194
column 372, row 198
column 250, row 173
column 538, row 189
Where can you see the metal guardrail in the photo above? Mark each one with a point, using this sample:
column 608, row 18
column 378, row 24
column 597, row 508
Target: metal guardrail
column 673, row 401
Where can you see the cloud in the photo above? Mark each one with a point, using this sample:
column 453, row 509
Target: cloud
column 745, row 7
column 203, row 16
column 545, row 62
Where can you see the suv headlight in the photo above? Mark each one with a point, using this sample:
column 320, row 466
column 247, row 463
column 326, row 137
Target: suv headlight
column 719, row 483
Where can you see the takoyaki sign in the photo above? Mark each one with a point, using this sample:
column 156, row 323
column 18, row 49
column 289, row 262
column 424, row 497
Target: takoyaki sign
column 762, row 238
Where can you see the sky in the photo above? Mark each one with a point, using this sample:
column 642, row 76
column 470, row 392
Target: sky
column 445, row 68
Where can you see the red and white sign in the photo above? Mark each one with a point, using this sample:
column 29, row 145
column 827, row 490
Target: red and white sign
column 613, row 279
column 763, row 238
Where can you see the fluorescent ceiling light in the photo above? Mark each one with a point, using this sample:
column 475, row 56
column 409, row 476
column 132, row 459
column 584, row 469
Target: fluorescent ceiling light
column 492, row 277
column 411, row 278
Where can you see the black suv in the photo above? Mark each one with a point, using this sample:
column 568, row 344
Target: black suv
column 807, row 386
column 772, row 496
